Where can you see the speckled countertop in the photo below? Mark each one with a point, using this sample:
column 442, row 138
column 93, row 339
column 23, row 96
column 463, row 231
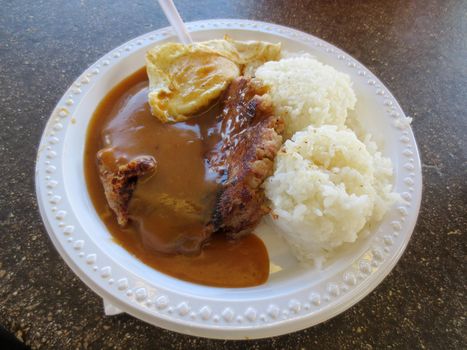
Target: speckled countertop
column 417, row 48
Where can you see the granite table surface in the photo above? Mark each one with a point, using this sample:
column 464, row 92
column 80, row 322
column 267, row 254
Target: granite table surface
column 417, row 48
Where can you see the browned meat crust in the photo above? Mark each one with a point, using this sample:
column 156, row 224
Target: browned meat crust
column 119, row 183
column 251, row 138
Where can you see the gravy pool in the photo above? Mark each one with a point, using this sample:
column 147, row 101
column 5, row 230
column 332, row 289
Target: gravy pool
column 123, row 122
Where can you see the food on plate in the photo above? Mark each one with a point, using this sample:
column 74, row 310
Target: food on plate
column 183, row 196
column 244, row 140
column 183, row 79
column 184, row 158
column 306, row 92
column 327, row 187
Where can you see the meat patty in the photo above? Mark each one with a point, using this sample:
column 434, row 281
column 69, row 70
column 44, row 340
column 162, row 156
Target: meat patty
column 120, row 181
column 251, row 138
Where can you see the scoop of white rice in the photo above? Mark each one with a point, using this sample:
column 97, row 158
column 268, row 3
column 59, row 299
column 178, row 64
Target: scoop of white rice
column 306, row 92
column 326, row 189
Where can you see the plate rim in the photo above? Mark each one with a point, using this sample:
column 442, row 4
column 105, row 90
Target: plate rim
column 222, row 331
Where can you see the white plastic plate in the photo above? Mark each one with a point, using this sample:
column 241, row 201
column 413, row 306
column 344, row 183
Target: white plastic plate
column 295, row 297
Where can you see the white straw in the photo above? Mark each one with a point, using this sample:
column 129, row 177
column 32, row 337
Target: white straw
column 175, row 20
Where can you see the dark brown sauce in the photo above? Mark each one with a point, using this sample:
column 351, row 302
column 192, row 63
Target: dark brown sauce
column 169, row 210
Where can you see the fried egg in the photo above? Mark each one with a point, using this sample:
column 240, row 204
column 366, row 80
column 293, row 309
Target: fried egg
column 184, row 79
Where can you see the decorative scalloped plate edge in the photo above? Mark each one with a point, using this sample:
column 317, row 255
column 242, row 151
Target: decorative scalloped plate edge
column 213, row 318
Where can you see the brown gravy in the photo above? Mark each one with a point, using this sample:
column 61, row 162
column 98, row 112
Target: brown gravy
column 168, row 210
